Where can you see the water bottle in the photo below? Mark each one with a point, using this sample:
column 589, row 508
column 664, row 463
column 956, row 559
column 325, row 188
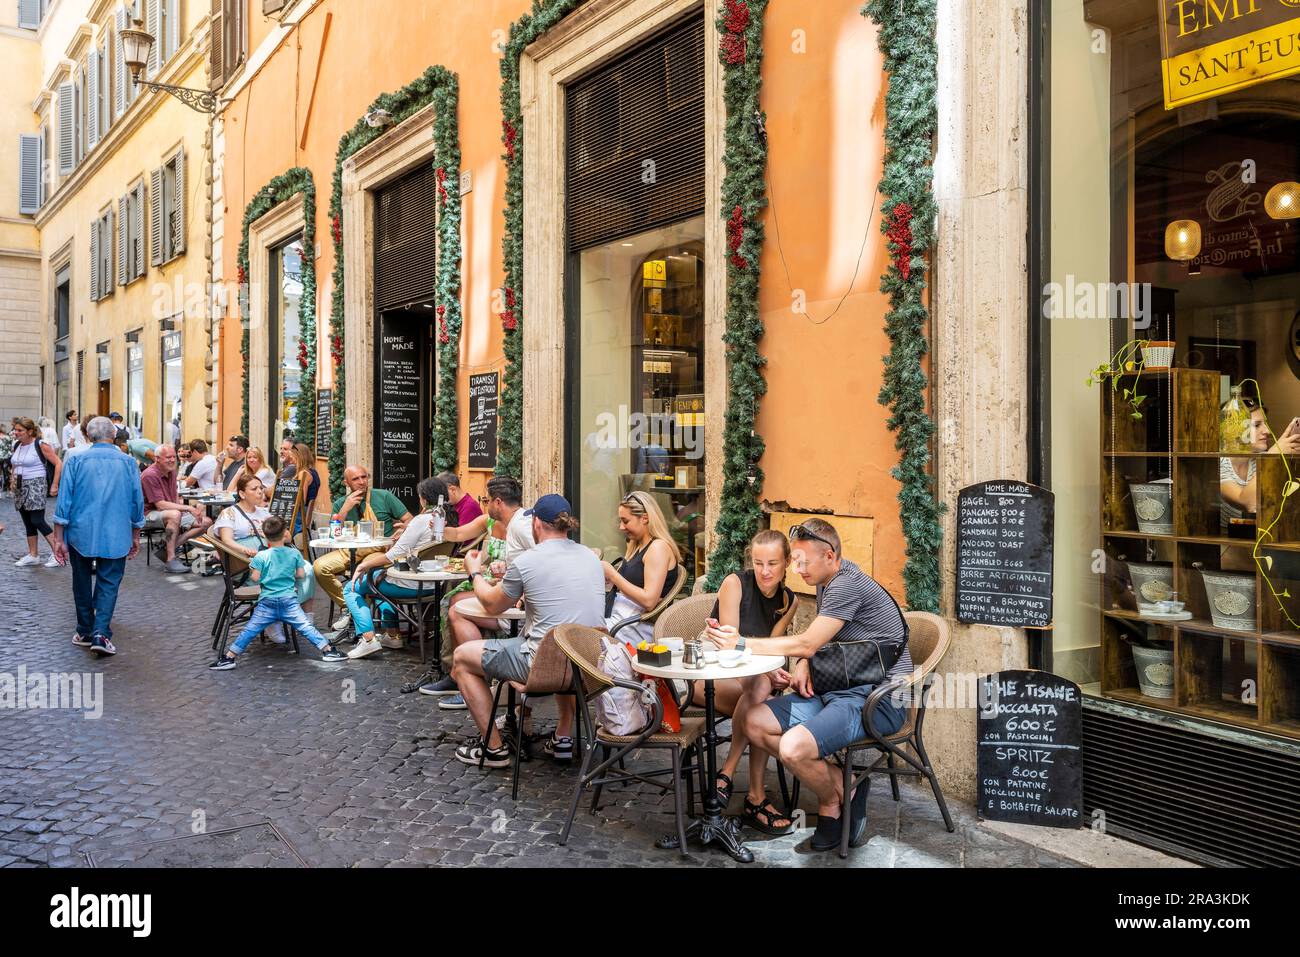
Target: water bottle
column 439, row 520
column 336, row 528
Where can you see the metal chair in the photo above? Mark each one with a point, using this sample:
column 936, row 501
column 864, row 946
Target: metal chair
column 238, row 599
column 928, row 642
column 582, row 647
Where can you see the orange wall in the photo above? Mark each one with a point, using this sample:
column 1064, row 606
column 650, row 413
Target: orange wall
column 828, row 447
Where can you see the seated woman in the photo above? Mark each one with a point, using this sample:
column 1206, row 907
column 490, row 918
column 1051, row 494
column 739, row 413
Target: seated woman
column 239, row 526
column 417, row 535
column 255, row 465
column 758, row 603
column 643, row 580
column 295, row 456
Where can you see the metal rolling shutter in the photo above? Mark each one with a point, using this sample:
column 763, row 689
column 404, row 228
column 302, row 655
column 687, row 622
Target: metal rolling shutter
column 406, row 239
column 636, row 139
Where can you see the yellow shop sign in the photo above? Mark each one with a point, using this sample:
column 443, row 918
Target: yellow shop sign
column 1212, row 47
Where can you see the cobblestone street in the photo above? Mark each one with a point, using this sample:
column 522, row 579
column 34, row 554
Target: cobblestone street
column 280, row 767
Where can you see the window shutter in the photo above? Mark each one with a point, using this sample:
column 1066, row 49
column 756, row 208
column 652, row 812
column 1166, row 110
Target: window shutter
column 156, row 217
column 92, row 101
column 79, row 116
column 29, row 172
column 106, row 279
column 120, row 78
column 123, row 252
column 173, row 26
column 29, row 14
column 94, row 261
column 216, row 50
column 43, row 175
column 178, row 239
column 272, row 6
column 67, row 144
column 153, row 17
column 137, row 233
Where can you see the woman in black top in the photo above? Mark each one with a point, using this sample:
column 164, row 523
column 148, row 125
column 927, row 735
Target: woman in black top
column 644, row 579
column 757, row 602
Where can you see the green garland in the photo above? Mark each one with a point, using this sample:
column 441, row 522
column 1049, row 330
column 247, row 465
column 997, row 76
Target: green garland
column 743, row 201
column 284, row 187
column 510, row 437
column 438, row 86
column 907, row 39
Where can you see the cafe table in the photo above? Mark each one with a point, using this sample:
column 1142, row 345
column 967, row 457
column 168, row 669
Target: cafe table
column 712, row 826
column 418, row 581
column 474, row 608
column 349, row 545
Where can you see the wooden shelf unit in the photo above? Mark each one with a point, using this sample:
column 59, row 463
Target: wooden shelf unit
column 1248, row 679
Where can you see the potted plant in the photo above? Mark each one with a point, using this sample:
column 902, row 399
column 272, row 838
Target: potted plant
column 1130, row 360
column 1158, row 354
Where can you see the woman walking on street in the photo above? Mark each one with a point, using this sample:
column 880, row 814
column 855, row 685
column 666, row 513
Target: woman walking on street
column 36, row 469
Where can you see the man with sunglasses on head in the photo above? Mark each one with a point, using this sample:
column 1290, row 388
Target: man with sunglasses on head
column 806, row 728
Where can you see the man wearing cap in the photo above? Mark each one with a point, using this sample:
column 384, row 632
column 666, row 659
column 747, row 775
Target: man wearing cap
column 562, row 583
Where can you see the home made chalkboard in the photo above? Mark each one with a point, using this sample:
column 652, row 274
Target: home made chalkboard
column 1004, row 554
column 1030, row 729
column 284, row 497
column 400, row 391
column 483, row 393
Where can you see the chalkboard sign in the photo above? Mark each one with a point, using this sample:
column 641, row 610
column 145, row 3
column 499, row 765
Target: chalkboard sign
column 1030, row 729
column 399, row 384
column 284, row 498
column 483, row 396
column 1004, row 554
column 324, row 421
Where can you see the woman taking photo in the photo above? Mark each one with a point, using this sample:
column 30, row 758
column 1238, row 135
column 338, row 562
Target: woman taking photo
column 254, row 465
column 417, row 535
column 643, row 580
column 239, row 527
column 30, row 457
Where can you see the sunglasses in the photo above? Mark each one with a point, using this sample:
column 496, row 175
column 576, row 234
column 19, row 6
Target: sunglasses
column 799, row 533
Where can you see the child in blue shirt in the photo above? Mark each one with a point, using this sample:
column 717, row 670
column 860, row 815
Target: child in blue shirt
column 277, row 569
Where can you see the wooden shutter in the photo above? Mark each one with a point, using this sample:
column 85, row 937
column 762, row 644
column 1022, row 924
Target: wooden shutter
column 173, row 26
column 272, row 6
column 123, row 250
column 29, row 14
column 216, row 46
column 156, row 204
column 29, row 172
column 137, row 232
column 178, row 238
column 642, row 114
column 153, row 16
column 92, row 101
column 94, row 260
column 120, row 78
column 67, row 127
column 106, row 276
column 406, row 239
column 79, row 115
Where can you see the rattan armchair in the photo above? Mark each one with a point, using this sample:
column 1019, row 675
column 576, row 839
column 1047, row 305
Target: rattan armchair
column 651, row 616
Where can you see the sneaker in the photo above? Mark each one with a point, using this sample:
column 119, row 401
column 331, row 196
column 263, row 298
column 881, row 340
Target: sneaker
column 176, row 567
column 80, row 642
column 453, row 703
column 333, row 654
column 52, row 562
column 444, row 686
column 342, row 621
column 341, row 635
column 506, row 724
column 366, row 648
column 559, row 748
column 224, row 663
column 102, row 646
column 474, row 753
column 396, row 642
column 27, row 561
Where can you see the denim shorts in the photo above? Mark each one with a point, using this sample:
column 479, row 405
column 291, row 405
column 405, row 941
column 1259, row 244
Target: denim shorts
column 504, row 660
column 835, row 720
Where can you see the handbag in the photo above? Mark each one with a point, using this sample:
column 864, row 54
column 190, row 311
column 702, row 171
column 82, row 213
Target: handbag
column 306, row 586
column 841, row 665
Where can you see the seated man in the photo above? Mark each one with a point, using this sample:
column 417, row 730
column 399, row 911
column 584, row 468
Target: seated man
column 203, row 468
column 808, row 727
column 464, row 503
column 361, row 503
column 164, row 509
column 562, row 582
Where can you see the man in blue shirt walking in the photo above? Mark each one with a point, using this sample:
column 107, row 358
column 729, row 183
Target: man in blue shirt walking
column 97, row 524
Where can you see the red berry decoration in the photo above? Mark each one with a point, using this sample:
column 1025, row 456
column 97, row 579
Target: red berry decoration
column 899, row 234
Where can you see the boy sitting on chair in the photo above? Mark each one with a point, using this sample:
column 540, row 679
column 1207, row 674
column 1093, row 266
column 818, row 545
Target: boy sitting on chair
column 277, row 568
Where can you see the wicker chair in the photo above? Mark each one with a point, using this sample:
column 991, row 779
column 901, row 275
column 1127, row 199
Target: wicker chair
column 652, row 616
column 238, row 598
column 928, row 642
column 685, row 619
column 582, row 647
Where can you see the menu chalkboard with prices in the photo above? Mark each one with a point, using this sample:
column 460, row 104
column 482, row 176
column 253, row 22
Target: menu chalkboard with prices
column 324, row 421
column 400, row 391
column 1030, row 729
column 284, row 498
column 1004, row 554
column 483, row 395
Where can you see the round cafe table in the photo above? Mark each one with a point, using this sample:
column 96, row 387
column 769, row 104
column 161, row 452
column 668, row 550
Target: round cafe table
column 418, row 580
column 712, row 826
column 474, row 608
column 349, row 545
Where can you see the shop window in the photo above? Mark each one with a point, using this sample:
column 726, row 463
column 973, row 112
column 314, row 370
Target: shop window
column 134, row 385
column 285, row 342
column 172, row 385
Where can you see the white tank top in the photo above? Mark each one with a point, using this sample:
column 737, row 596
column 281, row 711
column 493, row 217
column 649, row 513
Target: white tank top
column 27, row 461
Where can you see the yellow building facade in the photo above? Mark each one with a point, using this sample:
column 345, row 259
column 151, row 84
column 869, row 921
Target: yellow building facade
column 123, row 239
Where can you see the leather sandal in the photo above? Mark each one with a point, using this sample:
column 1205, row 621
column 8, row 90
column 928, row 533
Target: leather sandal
column 724, row 789
column 761, row 816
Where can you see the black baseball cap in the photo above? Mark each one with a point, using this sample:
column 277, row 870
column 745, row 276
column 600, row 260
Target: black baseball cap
column 115, row 416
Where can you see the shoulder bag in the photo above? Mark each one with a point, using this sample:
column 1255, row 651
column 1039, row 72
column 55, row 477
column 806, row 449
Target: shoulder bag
column 841, row 665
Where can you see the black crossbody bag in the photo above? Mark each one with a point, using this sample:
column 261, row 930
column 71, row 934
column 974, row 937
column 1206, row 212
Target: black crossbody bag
column 841, row 665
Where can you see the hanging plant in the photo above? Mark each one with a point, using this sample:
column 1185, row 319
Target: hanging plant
column 281, row 189
column 1128, row 361
column 438, row 86
column 907, row 40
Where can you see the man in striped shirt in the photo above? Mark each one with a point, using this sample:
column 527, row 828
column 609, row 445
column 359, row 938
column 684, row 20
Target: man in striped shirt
column 807, row 727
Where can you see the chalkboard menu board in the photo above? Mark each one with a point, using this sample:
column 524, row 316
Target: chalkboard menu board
column 324, row 421
column 1030, row 728
column 483, row 395
column 284, row 497
column 399, row 444
column 1004, row 554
